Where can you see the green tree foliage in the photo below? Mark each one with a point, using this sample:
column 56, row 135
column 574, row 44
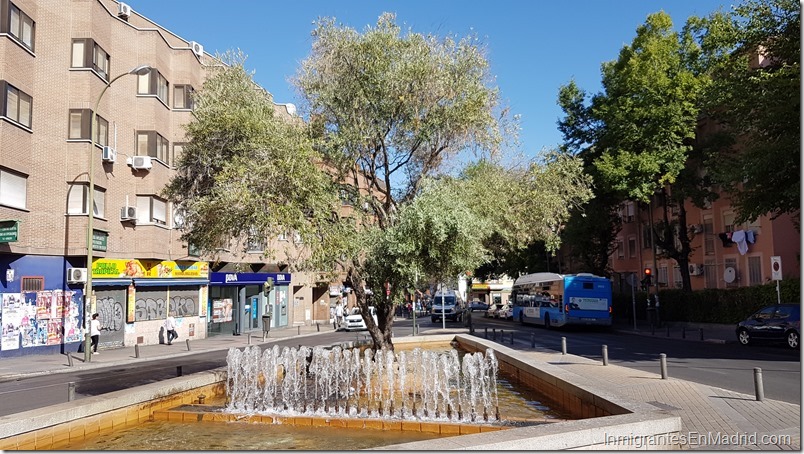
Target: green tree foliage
column 757, row 104
column 245, row 172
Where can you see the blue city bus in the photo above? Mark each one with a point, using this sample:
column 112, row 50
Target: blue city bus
column 554, row 300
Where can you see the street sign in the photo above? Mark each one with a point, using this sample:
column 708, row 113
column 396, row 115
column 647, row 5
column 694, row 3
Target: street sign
column 9, row 231
column 776, row 268
column 100, row 240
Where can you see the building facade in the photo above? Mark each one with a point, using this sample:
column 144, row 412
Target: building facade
column 57, row 60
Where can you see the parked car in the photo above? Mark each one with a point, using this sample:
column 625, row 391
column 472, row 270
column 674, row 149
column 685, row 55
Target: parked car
column 449, row 304
column 507, row 312
column 476, row 305
column 780, row 323
column 354, row 321
column 492, row 309
column 501, row 310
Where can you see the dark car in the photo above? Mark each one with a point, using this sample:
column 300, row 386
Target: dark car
column 780, row 322
column 478, row 306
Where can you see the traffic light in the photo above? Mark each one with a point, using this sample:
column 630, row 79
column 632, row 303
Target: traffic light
column 646, row 280
column 267, row 286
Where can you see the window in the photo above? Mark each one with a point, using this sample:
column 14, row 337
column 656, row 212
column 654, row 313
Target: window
column 282, row 237
column 629, row 212
column 646, row 244
column 661, row 277
column 754, row 270
column 178, row 150
column 183, row 97
column 153, row 83
column 709, row 236
column 755, row 225
column 255, row 242
column 151, row 210
column 32, row 284
column 17, row 105
column 731, row 263
column 728, row 222
column 88, row 54
column 151, row 143
column 632, row 246
column 80, row 125
column 620, row 249
column 710, row 274
column 13, row 189
column 78, row 198
column 21, row 27
column 677, row 276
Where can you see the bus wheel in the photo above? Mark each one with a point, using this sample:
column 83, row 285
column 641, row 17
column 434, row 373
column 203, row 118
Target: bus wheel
column 547, row 322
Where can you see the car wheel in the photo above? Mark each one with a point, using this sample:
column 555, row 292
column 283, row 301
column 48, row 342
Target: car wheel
column 547, row 322
column 792, row 339
column 744, row 337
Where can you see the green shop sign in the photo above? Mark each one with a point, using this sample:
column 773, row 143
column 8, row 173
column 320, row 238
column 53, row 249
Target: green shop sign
column 9, row 230
column 99, row 240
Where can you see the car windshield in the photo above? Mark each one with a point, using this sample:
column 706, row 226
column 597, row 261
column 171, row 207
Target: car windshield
column 448, row 300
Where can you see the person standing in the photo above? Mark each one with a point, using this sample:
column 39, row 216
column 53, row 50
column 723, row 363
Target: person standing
column 94, row 332
column 338, row 316
column 170, row 329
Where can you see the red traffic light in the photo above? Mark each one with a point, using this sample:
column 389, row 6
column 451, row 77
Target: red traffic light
column 647, row 271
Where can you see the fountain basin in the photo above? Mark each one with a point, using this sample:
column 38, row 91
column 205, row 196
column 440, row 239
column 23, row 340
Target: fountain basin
column 603, row 413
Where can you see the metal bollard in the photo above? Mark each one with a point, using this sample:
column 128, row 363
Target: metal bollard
column 512, row 338
column 487, row 332
column 249, row 338
column 187, row 341
column 663, row 365
column 70, row 391
column 298, row 330
column 563, row 345
column 69, row 360
column 502, row 337
column 178, row 371
column 605, row 355
column 136, row 350
column 683, row 332
column 317, row 327
column 759, row 388
column 532, row 340
column 700, row 330
column 494, row 334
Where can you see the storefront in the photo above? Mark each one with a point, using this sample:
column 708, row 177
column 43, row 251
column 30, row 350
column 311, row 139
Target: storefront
column 133, row 298
column 237, row 302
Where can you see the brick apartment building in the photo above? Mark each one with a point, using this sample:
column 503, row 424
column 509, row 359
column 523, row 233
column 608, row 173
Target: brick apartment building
column 56, row 58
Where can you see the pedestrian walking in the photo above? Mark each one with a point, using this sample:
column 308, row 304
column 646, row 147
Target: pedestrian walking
column 170, row 329
column 338, row 316
column 94, row 332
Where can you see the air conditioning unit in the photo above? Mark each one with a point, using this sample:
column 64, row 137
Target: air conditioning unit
column 140, row 162
column 696, row 269
column 197, row 48
column 109, row 154
column 128, row 213
column 76, row 275
column 123, row 10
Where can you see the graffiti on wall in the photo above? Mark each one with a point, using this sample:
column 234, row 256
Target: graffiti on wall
column 154, row 305
column 147, row 308
column 110, row 313
column 183, row 306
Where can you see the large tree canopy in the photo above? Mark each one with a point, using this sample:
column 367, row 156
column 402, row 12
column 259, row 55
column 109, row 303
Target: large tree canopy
column 753, row 54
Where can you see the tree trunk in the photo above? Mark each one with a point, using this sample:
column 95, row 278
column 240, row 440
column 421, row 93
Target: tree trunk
column 380, row 332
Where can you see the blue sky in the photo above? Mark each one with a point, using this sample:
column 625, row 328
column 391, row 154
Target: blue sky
column 534, row 46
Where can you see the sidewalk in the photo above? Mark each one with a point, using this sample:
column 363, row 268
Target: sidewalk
column 711, row 417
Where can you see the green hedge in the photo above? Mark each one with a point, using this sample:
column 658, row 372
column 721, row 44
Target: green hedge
column 710, row 305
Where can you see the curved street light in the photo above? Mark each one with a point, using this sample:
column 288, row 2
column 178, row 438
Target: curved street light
column 137, row 71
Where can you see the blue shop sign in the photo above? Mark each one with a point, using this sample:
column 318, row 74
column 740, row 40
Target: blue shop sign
column 248, row 278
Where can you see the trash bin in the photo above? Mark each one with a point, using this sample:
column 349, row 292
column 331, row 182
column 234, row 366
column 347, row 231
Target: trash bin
column 266, row 323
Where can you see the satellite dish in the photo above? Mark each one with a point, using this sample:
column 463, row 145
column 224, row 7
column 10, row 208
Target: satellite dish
column 729, row 274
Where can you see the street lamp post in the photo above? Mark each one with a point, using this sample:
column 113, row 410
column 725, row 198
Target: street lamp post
column 138, row 71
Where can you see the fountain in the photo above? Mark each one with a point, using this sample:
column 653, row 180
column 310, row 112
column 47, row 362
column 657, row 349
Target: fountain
column 421, row 385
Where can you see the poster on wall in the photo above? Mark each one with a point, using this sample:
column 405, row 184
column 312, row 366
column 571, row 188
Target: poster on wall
column 32, row 329
column 203, row 293
column 131, row 304
column 72, row 322
column 45, row 307
column 222, row 310
column 12, row 319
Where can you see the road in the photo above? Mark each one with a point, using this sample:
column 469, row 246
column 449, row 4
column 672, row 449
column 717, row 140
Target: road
column 727, row 366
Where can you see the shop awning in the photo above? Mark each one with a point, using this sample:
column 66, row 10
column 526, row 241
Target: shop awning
column 170, row 282
column 111, row 282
